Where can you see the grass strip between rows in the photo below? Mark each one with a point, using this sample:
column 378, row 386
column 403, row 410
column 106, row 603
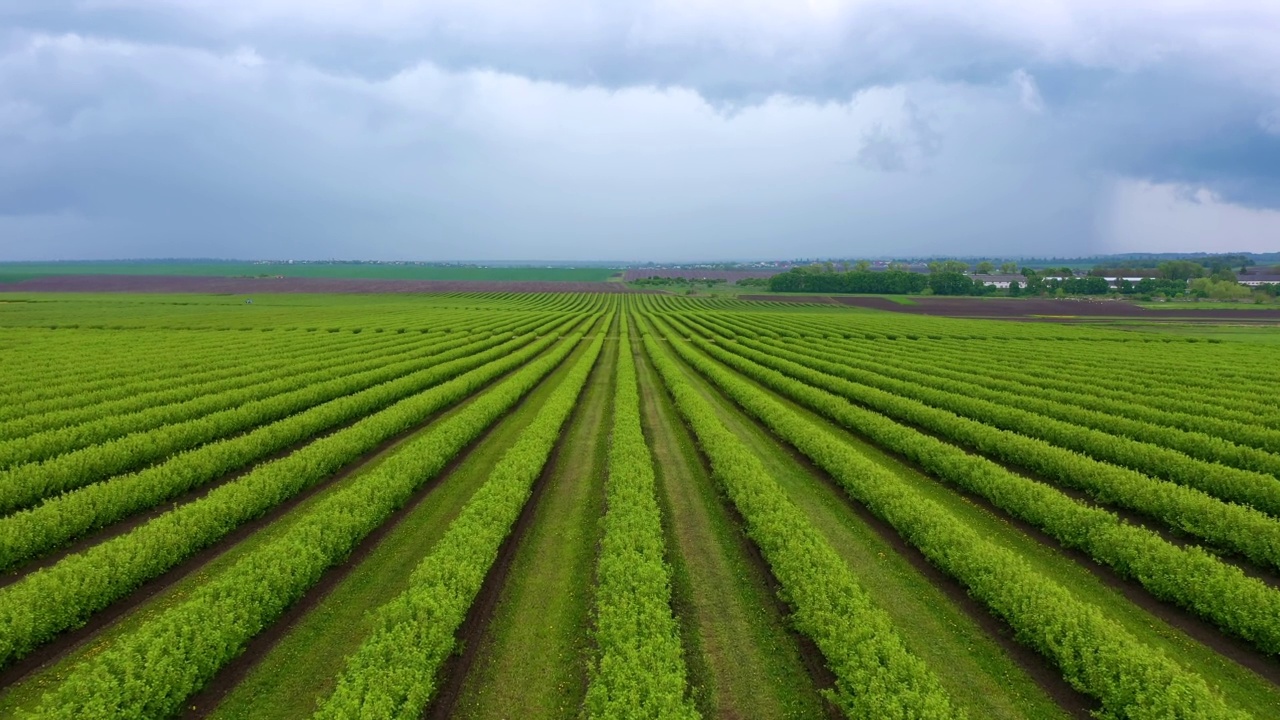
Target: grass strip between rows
column 876, row 676
column 393, row 672
column 51, row 600
column 150, row 672
column 640, row 671
column 1095, row 654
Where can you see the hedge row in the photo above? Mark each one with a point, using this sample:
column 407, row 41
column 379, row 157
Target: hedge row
column 258, row 363
column 1229, row 483
column 25, row 485
column 108, row 423
column 640, row 670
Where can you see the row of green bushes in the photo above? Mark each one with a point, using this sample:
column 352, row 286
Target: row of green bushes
column 1024, row 384
column 639, row 671
column 1188, row 577
column 261, row 366
column 150, row 672
column 49, row 601
column 251, row 387
column 1095, row 654
column 393, row 672
column 25, row 485
column 1238, row 528
column 1064, row 450
column 1215, row 465
column 876, row 676
column 30, row 533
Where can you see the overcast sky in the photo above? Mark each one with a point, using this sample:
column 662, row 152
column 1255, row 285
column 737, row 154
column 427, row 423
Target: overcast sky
column 636, row 129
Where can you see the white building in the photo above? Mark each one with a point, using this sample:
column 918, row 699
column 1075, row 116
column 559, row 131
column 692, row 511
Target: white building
column 1000, row 281
column 1259, row 280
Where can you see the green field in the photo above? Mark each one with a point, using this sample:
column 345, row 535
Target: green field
column 566, row 505
column 15, row 272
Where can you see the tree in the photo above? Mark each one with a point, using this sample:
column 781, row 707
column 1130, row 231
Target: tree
column 1180, row 269
column 986, row 267
column 951, row 283
column 862, row 266
column 1219, row 289
column 1015, row 289
column 1009, row 268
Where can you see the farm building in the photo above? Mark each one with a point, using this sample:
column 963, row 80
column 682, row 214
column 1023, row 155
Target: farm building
column 1258, row 280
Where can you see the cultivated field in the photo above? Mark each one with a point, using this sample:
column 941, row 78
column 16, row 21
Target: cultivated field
column 518, row 505
column 13, row 272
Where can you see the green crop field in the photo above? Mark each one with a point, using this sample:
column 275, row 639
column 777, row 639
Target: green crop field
column 16, row 272
column 565, row 505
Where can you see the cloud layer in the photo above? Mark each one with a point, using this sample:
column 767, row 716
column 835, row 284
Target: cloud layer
column 635, row 130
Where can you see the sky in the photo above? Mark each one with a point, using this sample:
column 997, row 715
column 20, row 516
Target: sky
column 667, row 130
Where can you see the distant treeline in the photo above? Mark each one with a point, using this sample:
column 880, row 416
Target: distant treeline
column 1181, row 281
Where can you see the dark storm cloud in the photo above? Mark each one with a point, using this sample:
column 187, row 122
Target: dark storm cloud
column 624, row 129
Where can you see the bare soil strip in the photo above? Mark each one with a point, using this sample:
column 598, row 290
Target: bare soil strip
column 1040, row 309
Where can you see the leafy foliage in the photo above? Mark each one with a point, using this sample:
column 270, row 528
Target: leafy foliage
column 640, row 672
column 876, row 676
